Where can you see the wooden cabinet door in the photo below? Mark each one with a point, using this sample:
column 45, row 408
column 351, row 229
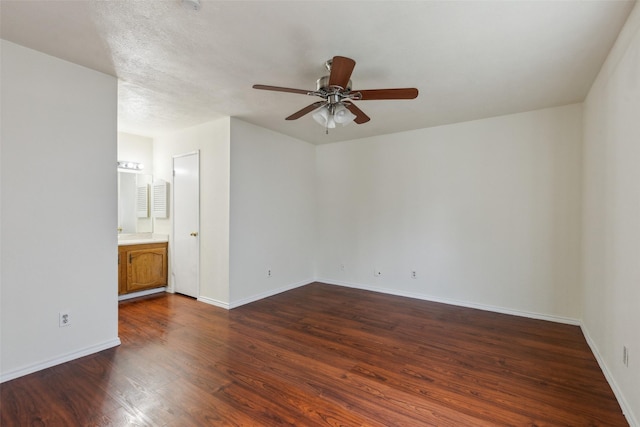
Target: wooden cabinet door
column 146, row 268
column 122, row 271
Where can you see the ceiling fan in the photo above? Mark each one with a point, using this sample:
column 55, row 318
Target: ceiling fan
column 337, row 106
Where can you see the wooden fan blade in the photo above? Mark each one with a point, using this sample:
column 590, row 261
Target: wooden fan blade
column 361, row 117
column 282, row 89
column 341, row 69
column 374, row 94
column 305, row 110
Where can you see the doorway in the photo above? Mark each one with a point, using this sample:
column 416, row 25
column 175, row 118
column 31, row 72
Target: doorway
column 186, row 224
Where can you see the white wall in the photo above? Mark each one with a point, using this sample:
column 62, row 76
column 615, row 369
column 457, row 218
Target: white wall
column 273, row 204
column 136, row 148
column 212, row 140
column 486, row 213
column 611, row 250
column 58, row 211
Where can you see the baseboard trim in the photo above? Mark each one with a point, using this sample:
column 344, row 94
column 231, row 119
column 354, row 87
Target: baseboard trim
column 467, row 304
column 141, row 293
column 272, row 292
column 253, row 298
column 626, row 408
column 59, row 360
column 214, row 302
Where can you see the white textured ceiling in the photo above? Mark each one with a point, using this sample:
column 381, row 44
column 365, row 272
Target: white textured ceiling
column 469, row 59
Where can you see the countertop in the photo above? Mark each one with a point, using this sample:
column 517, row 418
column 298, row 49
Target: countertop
column 141, row 238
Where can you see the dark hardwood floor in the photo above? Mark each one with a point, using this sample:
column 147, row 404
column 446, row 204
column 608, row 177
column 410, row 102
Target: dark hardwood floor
column 321, row 355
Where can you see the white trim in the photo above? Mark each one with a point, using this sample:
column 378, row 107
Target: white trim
column 214, row 302
column 269, row 293
column 626, row 408
column 59, row 360
column 141, row 293
column 496, row 309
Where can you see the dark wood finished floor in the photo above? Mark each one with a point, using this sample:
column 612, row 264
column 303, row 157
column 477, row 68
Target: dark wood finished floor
column 321, row 355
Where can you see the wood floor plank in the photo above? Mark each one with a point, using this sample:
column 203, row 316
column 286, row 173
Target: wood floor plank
column 321, row 355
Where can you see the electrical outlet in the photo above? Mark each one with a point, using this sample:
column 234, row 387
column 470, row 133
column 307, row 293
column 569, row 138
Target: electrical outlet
column 414, row 275
column 342, row 267
column 269, row 273
column 64, row 318
column 377, row 272
column 625, row 356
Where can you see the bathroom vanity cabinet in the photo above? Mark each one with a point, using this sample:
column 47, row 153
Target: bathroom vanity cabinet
column 142, row 267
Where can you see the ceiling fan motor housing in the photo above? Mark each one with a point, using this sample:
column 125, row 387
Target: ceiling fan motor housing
column 323, row 84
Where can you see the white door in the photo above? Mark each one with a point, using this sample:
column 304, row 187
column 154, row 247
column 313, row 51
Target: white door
column 186, row 223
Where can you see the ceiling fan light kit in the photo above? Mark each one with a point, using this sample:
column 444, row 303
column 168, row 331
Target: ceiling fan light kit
column 329, row 116
column 335, row 90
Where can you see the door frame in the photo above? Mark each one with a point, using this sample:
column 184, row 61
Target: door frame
column 173, row 221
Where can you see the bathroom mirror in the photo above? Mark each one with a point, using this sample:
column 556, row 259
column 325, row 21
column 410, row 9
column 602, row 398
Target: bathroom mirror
column 134, row 203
